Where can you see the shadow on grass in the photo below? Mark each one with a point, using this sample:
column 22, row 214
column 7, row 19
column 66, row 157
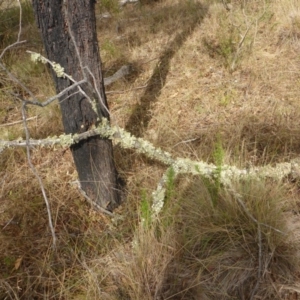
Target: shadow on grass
column 141, row 116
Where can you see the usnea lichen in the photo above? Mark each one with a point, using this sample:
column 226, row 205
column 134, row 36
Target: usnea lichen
column 36, row 57
column 94, row 106
column 179, row 165
column 57, row 68
column 66, row 140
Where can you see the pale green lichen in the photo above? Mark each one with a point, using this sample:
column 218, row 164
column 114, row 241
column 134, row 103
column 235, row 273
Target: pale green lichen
column 58, row 69
column 36, row 57
column 75, row 138
column 280, row 171
column 158, row 196
column 179, row 165
column 66, row 140
column 2, row 146
column 94, row 106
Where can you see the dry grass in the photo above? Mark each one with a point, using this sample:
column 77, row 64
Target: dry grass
column 196, row 82
column 224, row 246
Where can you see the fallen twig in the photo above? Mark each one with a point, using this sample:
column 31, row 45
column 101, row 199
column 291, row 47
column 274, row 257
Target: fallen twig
column 37, row 175
column 17, row 122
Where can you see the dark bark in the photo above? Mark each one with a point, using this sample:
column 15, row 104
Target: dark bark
column 93, row 157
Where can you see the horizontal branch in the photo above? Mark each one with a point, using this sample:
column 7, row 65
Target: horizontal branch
column 180, row 165
column 17, row 122
column 59, row 70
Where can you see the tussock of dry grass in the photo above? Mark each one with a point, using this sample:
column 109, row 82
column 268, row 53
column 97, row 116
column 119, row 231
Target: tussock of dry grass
column 140, row 270
column 194, row 84
column 201, row 251
column 223, row 243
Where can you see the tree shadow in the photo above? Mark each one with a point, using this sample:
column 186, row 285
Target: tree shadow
column 140, row 117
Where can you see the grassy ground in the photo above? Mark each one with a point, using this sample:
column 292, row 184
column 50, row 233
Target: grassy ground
column 208, row 75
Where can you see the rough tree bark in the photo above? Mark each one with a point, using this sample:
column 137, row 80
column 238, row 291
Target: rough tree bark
column 63, row 22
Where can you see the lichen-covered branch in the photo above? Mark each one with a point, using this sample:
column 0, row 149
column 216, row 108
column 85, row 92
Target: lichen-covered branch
column 180, row 165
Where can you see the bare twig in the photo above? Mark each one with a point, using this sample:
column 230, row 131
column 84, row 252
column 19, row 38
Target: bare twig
column 37, row 175
column 10, row 291
column 19, row 33
column 242, row 40
column 17, row 81
column 60, row 73
column 93, row 203
column 69, row 96
column 18, row 42
column 83, row 68
column 97, row 91
column 13, row 78
column 17, row 122
column 236, row 55
column 11, row 46
column 238, row 197
column 8, row 222
column 186, row 141
column 48, row 101
column 65, row 4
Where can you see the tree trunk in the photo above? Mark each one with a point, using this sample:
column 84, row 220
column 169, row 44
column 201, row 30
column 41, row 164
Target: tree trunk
column 63, row 22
